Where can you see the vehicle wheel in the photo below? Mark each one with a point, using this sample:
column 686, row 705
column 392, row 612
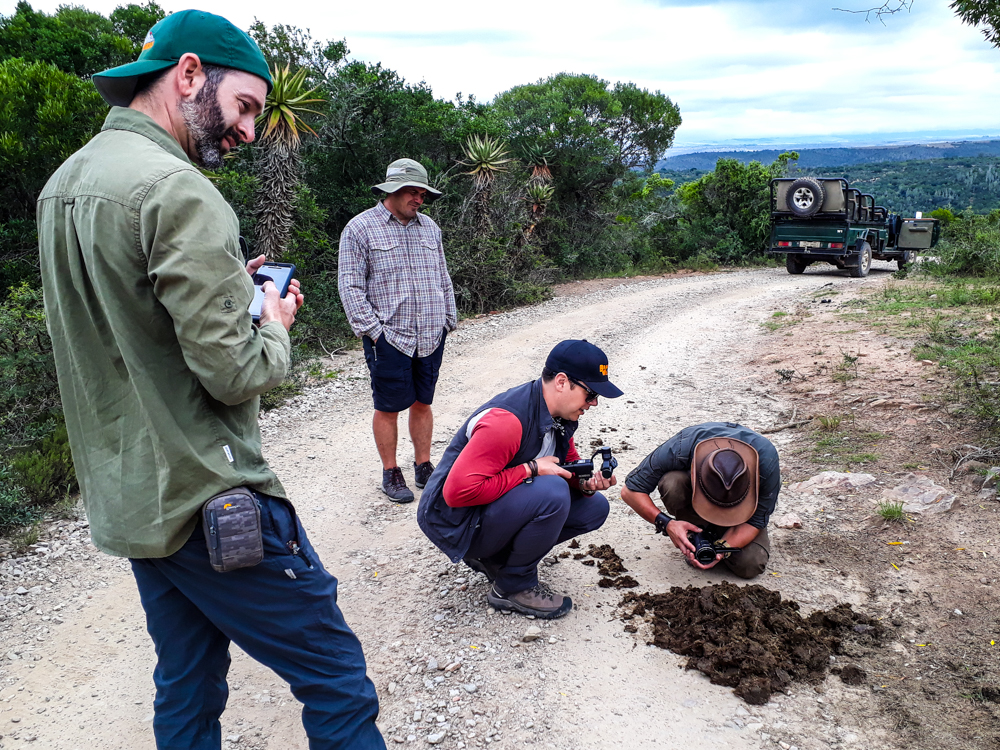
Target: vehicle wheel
column 864, row 262
column 795, row 264
column 805, row 197
column 908, row 257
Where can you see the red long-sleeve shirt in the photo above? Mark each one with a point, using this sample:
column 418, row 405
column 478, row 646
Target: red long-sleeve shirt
column 478, row 476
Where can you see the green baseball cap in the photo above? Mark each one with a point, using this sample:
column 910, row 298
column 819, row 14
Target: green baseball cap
column 406, row 173
column 214, row 39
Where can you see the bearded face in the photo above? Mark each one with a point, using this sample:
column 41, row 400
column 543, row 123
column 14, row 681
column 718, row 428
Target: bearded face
column 205, row 122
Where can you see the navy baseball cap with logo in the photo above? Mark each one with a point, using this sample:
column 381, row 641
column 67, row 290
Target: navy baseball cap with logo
column 215, row 40
column 581, row 360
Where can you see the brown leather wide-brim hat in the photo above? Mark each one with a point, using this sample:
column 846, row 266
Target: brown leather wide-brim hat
column 725, row 481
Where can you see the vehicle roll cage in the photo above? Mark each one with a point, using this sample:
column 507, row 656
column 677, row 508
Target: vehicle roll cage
column 841, row 200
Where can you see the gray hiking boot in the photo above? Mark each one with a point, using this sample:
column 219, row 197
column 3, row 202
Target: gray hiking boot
column 422, row 472
column 395, row 487
column 539, row 601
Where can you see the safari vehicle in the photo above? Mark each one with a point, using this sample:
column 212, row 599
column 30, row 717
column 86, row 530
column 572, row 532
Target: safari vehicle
column 826, row 220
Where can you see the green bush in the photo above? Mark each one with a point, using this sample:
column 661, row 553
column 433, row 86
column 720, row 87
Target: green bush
column 45, row 472
column 29, row 390
column 16, row 510
column 970, row 247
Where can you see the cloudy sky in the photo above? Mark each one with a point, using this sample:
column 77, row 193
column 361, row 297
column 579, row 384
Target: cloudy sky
column 738, row 69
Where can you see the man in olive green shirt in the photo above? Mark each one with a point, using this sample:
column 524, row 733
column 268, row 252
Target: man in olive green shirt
column 160, row 371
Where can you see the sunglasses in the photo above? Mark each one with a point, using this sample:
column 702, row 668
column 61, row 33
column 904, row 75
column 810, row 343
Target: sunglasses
column 591, row 394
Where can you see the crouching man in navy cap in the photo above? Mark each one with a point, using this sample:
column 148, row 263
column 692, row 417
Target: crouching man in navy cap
column 499, row 499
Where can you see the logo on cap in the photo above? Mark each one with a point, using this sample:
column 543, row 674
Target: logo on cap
column 604, row 370
column 147, row 43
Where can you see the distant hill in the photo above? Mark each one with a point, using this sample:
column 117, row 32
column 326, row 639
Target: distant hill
column 909, row 186
column 828, row 157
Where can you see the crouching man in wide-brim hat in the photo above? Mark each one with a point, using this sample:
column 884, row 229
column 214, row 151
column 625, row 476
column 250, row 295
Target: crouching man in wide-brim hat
column 717, row 478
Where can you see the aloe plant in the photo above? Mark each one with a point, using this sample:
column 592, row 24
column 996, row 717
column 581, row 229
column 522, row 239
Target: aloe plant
column 488, row 158
column 538, row 158
column 282, row 126
column 539, row 196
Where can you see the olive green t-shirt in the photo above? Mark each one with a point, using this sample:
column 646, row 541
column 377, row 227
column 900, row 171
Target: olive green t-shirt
column 160, row 366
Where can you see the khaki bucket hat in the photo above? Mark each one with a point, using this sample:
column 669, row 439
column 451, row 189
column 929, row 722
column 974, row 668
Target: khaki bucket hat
column 406, row 173
column 725, row 481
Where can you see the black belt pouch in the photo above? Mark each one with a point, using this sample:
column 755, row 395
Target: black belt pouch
column 231, row 521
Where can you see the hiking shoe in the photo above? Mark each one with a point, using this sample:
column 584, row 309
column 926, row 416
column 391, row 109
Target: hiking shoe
column 395, row 487
column 481, row 566
column 422, row 472
column 539, row 601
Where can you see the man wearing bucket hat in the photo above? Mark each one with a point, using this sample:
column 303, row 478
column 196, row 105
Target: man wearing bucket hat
column 399, row 299
column 499, row 499
column 718, row 477
column 160, row 371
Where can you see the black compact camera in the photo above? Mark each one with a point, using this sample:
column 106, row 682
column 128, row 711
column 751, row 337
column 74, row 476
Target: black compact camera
column 706, row 546
column 584, row 468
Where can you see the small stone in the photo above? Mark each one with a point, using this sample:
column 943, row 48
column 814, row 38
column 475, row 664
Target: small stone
column 436, row 738
column 20, row 591
column 533, row 633
column 16, row 719
column 392, row 688
column 984, row 581
column 784, row 746
column 453, row 666
column 788, row 521
column 432, row 665
column 958, row 612
column 471, row 687
column 233, row 737
column 552, row 639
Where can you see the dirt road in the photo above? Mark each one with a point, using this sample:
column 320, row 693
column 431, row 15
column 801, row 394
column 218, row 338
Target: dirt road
column 77, row 666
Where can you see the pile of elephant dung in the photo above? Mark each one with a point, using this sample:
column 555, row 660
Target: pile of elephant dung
column 621, row 582
column 611, row 564
column 746, row 637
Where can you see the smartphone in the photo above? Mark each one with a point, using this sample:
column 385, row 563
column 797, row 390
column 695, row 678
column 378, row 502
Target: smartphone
column 280, row 273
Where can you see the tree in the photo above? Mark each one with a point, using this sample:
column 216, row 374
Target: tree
column 279, row 157
column 982, row 13
column 133, row 22
column 74, row 39
column 291, row 47
column 596, row 134
column 45, row 115
column 726, row 213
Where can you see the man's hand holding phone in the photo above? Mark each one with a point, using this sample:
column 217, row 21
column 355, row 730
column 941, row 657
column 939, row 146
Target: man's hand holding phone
column 281, row 309
column 272, row 306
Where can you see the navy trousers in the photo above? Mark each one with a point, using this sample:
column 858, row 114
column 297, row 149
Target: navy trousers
column 521, row 526
column 282, row 612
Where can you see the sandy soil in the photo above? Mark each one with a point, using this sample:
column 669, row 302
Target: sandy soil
column 77, row 664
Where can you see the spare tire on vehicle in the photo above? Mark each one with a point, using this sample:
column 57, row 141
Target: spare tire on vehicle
column 805, row 197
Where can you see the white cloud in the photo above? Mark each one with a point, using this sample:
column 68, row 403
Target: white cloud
column 736, row 69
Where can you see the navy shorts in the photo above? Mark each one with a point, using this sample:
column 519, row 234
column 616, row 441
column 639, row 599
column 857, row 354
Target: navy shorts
column 398, row 380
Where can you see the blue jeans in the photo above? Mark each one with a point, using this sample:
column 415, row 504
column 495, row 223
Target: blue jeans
column 282, row 612
column 521, row 526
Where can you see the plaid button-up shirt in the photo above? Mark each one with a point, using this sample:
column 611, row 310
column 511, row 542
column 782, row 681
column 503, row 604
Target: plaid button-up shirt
column 394, row 281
